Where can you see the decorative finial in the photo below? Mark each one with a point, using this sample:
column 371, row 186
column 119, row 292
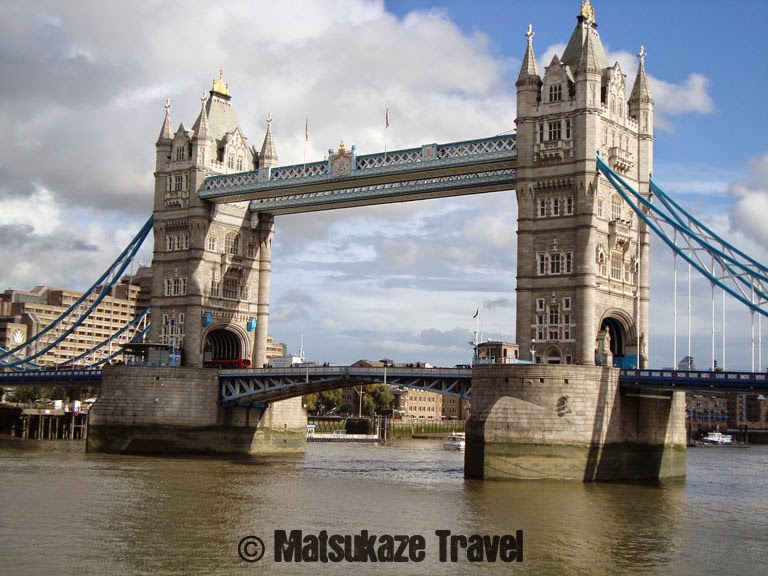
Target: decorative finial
column 219, row 85
column 642, row 54
column 341, row 147
column 587, row 12
column 167, row 104
column 204, row 97
column 530, row 34
column 269, row 118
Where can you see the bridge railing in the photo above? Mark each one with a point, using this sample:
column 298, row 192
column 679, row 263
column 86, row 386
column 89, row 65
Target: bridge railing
column 453, row 153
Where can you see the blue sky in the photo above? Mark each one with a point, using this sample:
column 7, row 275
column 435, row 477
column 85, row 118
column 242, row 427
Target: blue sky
column 83, row 104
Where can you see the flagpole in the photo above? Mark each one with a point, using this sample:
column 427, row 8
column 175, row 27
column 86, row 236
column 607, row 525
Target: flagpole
column 306, row 139
column 386, row 128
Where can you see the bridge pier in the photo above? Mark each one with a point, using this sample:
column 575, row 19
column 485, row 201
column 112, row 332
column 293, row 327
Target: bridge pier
column 571, row 422
column 161, row 410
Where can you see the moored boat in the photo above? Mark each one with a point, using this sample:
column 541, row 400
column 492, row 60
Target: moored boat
column 456, row 441
column 717, row 439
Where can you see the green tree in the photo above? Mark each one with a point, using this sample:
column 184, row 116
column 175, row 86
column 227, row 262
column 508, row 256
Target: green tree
column 378, row 397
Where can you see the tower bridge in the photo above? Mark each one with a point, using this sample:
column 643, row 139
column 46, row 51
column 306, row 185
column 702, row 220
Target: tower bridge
column 580, row 164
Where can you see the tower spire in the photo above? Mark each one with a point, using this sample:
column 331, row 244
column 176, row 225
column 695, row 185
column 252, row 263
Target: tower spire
column 165, row 131
column 641, row 92
column 268, row 154
column 529, row 71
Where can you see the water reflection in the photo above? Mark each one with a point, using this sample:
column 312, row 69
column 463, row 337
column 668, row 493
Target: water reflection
column 67, row 512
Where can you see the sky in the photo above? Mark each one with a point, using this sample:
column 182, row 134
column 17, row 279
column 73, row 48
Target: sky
column 82, row 104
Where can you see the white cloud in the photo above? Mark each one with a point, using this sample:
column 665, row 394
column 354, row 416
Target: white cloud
column 43, row 219
column 748, row 215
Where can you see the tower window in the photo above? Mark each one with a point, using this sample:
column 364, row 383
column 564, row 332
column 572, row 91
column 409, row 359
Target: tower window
column 232, row 244
column 554, row 263
column 616, row 207
column 231, row 289
column 567, row 128
column 543, row 261
column 554, row 130
column 211, row 243
column 555, row 206
column 568, row 205
column 616, row 265
column 180, row 153
column 556, row 93
column 541, row 132
column 542, row 206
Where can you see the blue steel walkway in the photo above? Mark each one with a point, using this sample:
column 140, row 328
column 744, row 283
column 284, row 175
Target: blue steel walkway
column 272, row 384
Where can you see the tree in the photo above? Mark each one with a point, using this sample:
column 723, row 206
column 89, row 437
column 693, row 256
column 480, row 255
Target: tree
column 380, row 396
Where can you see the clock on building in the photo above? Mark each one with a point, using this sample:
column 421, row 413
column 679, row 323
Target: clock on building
column 18, row 336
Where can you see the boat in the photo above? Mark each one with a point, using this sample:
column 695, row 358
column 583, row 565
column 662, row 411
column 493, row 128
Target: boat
column 455, row 441
column 717, row 439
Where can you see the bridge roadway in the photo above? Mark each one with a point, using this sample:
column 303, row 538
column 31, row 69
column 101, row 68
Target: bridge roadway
column 272, row 384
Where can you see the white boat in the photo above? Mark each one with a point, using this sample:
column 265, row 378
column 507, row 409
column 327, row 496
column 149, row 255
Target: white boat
column 456, row 441
column 717, row 438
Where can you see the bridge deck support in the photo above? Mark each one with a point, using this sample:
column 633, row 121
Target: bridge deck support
column 572, row 423
column 160, row 410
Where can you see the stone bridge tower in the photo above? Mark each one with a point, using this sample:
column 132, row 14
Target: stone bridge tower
column 211, row 262
column 582, row 256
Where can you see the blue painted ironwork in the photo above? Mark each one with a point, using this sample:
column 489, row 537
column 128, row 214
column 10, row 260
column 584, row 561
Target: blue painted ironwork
column 84, row 376
column 740, row 276
column 68, row 322
column 695, row 380
column 423, row 188
column 412, row 165
column 272, row 384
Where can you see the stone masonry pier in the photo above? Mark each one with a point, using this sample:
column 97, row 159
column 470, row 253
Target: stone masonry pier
column 571, row 422
column 160, row 410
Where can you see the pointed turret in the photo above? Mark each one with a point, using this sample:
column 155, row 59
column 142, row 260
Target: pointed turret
column 202, row 141
column 165, row 131
column 589, row 61
column 529, row 71
column 165, row 139
column 641, row 92
column 528, row 81
column 200, row 127
column 268, row 154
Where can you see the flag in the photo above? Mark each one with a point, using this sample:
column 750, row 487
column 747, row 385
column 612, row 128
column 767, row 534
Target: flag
column 386, row 118
column 476, row 312
column 306, row 130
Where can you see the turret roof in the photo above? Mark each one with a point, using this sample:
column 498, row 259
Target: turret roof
column 586, row 26
column 529, row 71
column 268, row 154
column 641, row 91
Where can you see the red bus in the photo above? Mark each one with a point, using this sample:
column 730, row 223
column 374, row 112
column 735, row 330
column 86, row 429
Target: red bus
column 232, row 363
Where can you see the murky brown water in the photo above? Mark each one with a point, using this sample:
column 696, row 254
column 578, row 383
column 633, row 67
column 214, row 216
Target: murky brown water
column 65, row 512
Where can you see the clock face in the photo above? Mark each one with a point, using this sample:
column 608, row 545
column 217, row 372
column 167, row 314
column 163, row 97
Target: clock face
column 18, row 336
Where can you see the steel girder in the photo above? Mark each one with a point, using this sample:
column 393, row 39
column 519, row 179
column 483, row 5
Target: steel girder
column 272, row 384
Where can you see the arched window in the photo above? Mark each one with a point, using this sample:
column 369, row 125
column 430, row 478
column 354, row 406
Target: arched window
column 211, row 243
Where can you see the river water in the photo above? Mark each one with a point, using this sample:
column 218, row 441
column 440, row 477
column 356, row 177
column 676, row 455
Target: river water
column 66, row 512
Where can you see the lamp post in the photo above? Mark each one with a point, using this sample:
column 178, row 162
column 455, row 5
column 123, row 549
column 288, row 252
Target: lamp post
column 359, row 401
